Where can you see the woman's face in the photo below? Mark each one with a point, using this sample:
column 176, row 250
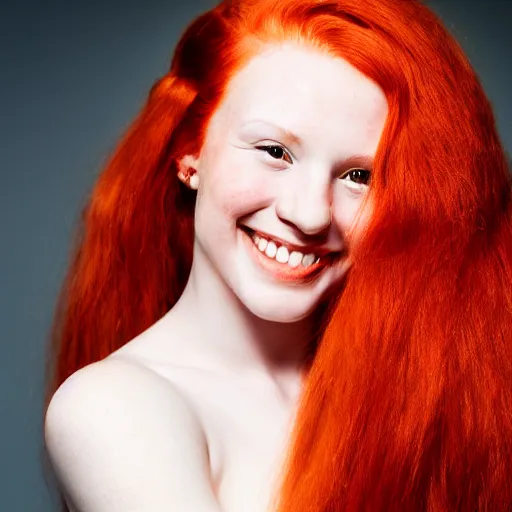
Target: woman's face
column 290, row 144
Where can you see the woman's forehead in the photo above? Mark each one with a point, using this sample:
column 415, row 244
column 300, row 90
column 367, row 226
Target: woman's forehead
column 291, row 81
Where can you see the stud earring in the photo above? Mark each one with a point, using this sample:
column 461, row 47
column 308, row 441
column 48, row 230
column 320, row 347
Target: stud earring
column 194, row 181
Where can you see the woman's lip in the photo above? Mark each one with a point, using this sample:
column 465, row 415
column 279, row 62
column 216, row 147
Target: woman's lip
column 282, row 271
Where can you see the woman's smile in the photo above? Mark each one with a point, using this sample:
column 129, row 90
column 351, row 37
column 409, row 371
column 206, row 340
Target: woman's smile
column 283, row 265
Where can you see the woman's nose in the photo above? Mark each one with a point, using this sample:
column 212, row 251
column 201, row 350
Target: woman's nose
column 305, row 202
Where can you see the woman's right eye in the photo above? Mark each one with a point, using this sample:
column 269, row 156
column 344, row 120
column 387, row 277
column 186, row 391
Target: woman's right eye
column 275, row 151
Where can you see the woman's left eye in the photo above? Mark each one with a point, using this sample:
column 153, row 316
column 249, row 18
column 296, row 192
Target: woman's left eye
column 357, row 176
column 275, row 151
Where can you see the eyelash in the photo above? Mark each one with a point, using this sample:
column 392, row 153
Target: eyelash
column 269, row 147
column 273, row 146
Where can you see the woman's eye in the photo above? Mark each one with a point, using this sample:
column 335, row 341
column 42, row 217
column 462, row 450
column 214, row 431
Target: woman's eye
column 358, row 176
column 275, row 151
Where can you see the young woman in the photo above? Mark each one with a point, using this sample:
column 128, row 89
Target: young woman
column 293, row 288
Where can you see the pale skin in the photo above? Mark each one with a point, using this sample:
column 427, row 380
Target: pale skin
column 194, row 414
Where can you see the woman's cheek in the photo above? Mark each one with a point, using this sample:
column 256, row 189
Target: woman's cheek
column 350, row 212
column 248, row 189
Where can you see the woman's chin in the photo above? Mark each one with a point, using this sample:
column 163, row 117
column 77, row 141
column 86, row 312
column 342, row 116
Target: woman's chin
column 280, row 313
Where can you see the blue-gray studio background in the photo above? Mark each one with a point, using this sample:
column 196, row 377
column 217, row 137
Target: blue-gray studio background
column 72, row 76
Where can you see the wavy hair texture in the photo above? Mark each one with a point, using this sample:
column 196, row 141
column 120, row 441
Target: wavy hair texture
column 407, row 405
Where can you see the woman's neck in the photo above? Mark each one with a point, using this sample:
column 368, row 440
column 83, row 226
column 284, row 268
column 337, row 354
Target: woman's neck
column 222, row 334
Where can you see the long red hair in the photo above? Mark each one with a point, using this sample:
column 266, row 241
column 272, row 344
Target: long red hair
column 408, row 402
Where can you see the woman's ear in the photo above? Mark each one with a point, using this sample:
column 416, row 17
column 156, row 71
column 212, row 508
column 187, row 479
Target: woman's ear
column 188, row 171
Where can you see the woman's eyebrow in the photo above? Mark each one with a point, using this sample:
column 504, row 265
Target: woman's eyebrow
column 364, row 161
column 286, row 133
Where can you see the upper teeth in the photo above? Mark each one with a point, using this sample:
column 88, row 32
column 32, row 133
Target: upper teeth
column 281, row 253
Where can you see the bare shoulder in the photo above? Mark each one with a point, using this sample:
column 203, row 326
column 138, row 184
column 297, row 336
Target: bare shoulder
column 122, row 438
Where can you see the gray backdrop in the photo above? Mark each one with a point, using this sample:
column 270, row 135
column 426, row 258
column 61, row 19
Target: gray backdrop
column 72, row 77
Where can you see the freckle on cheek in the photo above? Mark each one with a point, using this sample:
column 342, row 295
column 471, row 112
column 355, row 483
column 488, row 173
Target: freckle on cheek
column 240, row 201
